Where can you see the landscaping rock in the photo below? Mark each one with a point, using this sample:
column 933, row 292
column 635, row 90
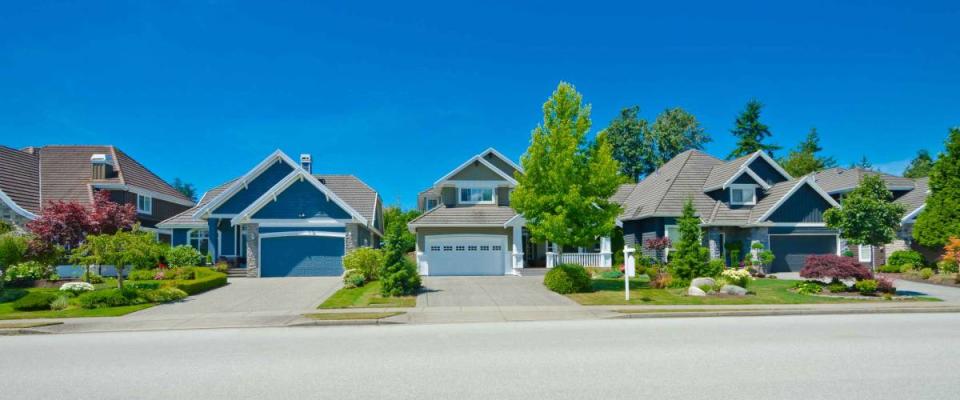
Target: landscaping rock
column 695, row 291
column 733, row 290
column 701, row 282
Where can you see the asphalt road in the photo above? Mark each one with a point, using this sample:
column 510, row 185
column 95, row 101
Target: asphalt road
column 913, row 356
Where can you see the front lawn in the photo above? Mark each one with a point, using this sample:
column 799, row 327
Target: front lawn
column 7, row 312
column 766, row 291
column 366, row 296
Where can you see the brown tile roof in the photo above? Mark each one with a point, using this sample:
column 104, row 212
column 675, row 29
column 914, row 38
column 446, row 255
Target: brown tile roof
column 465, row 215
column 65, row 172
column 19, row 178
column 135, row 174
column 354, row 192
column 186, row 217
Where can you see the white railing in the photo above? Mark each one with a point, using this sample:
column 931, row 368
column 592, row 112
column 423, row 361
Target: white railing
column 584, row 259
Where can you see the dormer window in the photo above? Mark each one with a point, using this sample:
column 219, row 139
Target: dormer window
column 476, row 195
column 743, row 195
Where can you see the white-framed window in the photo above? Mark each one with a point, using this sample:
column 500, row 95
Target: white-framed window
column 199, row 239
column 476, row 195
column 673, row 233
column 144, row 204
column 865, row 253
column 743, row 195
column 431, row 204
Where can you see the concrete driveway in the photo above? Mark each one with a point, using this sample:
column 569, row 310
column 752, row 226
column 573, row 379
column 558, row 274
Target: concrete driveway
column 488, row 291
column 247, row 295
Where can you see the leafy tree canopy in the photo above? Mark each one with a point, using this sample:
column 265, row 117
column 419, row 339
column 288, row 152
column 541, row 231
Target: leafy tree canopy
column 186, row 189
column 868, row 215
column 940, row 218
column 750, row 132
column 920, row 166
column 804, row 160
column 628, row 136
column 673, row 132
column 565, row 190
column 393, row 216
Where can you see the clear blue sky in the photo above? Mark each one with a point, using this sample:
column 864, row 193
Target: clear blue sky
column 398, row 93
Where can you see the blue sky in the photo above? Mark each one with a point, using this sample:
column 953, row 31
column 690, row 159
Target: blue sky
column 400, row 93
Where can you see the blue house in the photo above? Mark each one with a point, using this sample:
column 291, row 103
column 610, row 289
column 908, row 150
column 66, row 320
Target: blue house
column 279, row 219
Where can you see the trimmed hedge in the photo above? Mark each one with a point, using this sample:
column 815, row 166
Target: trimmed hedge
column 568, row 278
column 35, row 301
column 206, row 279
column 901, row 257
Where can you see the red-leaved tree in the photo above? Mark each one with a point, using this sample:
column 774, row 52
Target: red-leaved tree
column 64, row 224
column 829, row 266
column 108, row 217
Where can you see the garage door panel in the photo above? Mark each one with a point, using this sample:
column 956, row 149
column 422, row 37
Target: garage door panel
column 791, row 251
column 465, row 255
column 301, row 256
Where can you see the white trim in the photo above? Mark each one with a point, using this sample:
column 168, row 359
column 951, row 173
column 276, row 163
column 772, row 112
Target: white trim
column 493, row 195
column 15, row 207
column 797, row 224
column 242, row 182
column 181, row 226
column 477, row 158
column 505, row 159
column 281, row 223
column 913, row 214
column 743, row 170
column 805, row 180
column 515, row 221
column 144, row 192
column 297, row 174
column 303, row 233
column 742, row 187
column 869, row 253
column 148, row 204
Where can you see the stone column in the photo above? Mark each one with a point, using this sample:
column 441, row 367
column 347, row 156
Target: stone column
column 348, row 240
column 253, row 250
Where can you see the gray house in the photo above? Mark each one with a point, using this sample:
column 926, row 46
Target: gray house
column 739, row 202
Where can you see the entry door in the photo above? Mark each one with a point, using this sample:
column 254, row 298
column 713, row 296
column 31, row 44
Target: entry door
column 466, row 254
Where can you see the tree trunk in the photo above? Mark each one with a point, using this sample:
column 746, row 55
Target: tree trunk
column 119, row 277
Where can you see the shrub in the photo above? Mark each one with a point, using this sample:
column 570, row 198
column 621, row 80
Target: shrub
column 76, row 287
column 885, row 285
column 110, row 298
column 10, row 294
column 889, row 268
column 183, row 274
column 26, row 272
column 206, row 279
column 834, row 267
column 353, row 279
column 837, row 287
column 948, row 265
column 611, row 274
column 926, row 273
column 399, row 279
column 867, row 287
column 740, row 277
column 808, row 287
column 165, row 295
column 907, row 268
column 60, row 303
column 92, row 277
column 714, row 268
column 141, row 275
column 901, row 257
column 35, row 301
column 661, row 280
column 221, row 267
column 365, row 261
column 183, row 256
column 146, row 285
column 567, row 278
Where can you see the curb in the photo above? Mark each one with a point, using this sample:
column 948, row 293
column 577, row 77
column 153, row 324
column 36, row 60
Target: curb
column 782, row 312
column 23, row 331
column 343, row 322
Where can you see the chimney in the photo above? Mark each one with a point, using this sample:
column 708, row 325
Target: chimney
column 102, row 166
column 306, row 162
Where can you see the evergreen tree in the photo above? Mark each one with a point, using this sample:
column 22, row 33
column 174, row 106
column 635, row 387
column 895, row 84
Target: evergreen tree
column 628, row 137
column 803, row 160
column 940, row 219
column 565, row 190
column 399, row 276
column 868, row 215
column 186, row 189
column 675, row 131
column 864, row 163
column 920, row 166
column 689, row 258
column 750, row 132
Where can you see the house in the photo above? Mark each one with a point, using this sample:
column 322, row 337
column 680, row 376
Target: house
column 280, row 219
column 469, row 228
column 739, row 202
column 911, row 193
column 35, row 176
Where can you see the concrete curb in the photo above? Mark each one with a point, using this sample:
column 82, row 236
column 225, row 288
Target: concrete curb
column 784, row 312
column 343, row 322
column 23, row 331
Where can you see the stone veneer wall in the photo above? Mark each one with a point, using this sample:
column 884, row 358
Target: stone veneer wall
column 253, row 250
column 348, row 240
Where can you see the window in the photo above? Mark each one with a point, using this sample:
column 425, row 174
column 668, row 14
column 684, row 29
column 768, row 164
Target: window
column 476, row 195
column 198, row 239
column 743, row 194
column 673, row 233
column 471, row 248
column 447, row 248
column 461, row 248
column 484, row 248
column 497, row 248
column 431, row 204
column 866, row 253
column 144, row 204
column 434, row 248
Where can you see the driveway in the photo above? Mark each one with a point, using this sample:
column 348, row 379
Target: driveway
column 488, row 291
column 246, row 295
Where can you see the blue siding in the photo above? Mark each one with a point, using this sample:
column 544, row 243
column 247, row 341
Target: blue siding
column 766, row 172
column 301, row 200
column 301, row 256
column 179, row 237
column 212, row 228
column 227, row 235
column 805, row 205
column 254, row 189
column 746, row 179
column 293, row 229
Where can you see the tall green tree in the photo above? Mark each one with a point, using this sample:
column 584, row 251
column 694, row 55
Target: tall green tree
column 394, row 215
column 920, row 167
column 122, row 249
column 675, row 131
column 804, row 159
column 186, row 189
column 750, row 132
column 689, row 258
column 864, row 163
column 627, row 135
column 868, row 215
column 565, row 190
column 940, row 219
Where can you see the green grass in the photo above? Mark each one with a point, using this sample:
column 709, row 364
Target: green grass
column 766, row 291
column 7, row 312
column 351, row 316
column 366, row 296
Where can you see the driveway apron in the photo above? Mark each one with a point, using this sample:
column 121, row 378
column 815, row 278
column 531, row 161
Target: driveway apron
column 246, row 295
column 488, row 291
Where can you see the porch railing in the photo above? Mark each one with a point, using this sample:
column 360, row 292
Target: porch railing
column 584, row 259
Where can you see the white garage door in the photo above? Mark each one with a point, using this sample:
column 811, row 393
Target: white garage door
column 465, row 254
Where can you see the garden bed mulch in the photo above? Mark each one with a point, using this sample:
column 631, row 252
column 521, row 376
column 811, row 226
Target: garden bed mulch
column 948, row 283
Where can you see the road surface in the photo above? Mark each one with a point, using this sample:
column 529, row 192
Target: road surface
column 906, row 356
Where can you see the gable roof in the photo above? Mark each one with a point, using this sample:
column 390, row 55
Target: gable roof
column 723, row 175
column 464, row 216
column 36, row 175
column 295, row 175
column 779, row 195
column 357, row 194
column 840, row 180
column 481, row 159
column 186, row 218
column 914, row 200
column 664, row 192
column 241, row 182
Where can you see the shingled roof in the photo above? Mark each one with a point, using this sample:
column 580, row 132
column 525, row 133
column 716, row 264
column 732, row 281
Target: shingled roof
column 478, row 215
column 185, row 218
column 19, row 171
column 838, row 180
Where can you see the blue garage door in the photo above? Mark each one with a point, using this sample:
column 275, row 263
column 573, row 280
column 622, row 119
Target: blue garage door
column 301, row 256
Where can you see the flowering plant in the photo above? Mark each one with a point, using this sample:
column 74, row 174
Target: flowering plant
column 160, row 275
column 740, row 277
column 77, row 287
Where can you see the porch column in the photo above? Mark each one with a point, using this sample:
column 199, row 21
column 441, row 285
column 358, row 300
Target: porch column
column 606, row 255
column 517, row 248
column 551, row 255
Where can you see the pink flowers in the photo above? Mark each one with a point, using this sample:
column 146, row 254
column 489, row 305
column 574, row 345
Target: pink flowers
column 160, row 275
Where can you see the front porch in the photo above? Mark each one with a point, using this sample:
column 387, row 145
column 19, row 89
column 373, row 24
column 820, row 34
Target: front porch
column 547, row 255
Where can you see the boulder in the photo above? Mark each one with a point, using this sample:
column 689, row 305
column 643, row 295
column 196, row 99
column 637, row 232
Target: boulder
column 733, row 290
column 700, row 282
column 695, row 291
